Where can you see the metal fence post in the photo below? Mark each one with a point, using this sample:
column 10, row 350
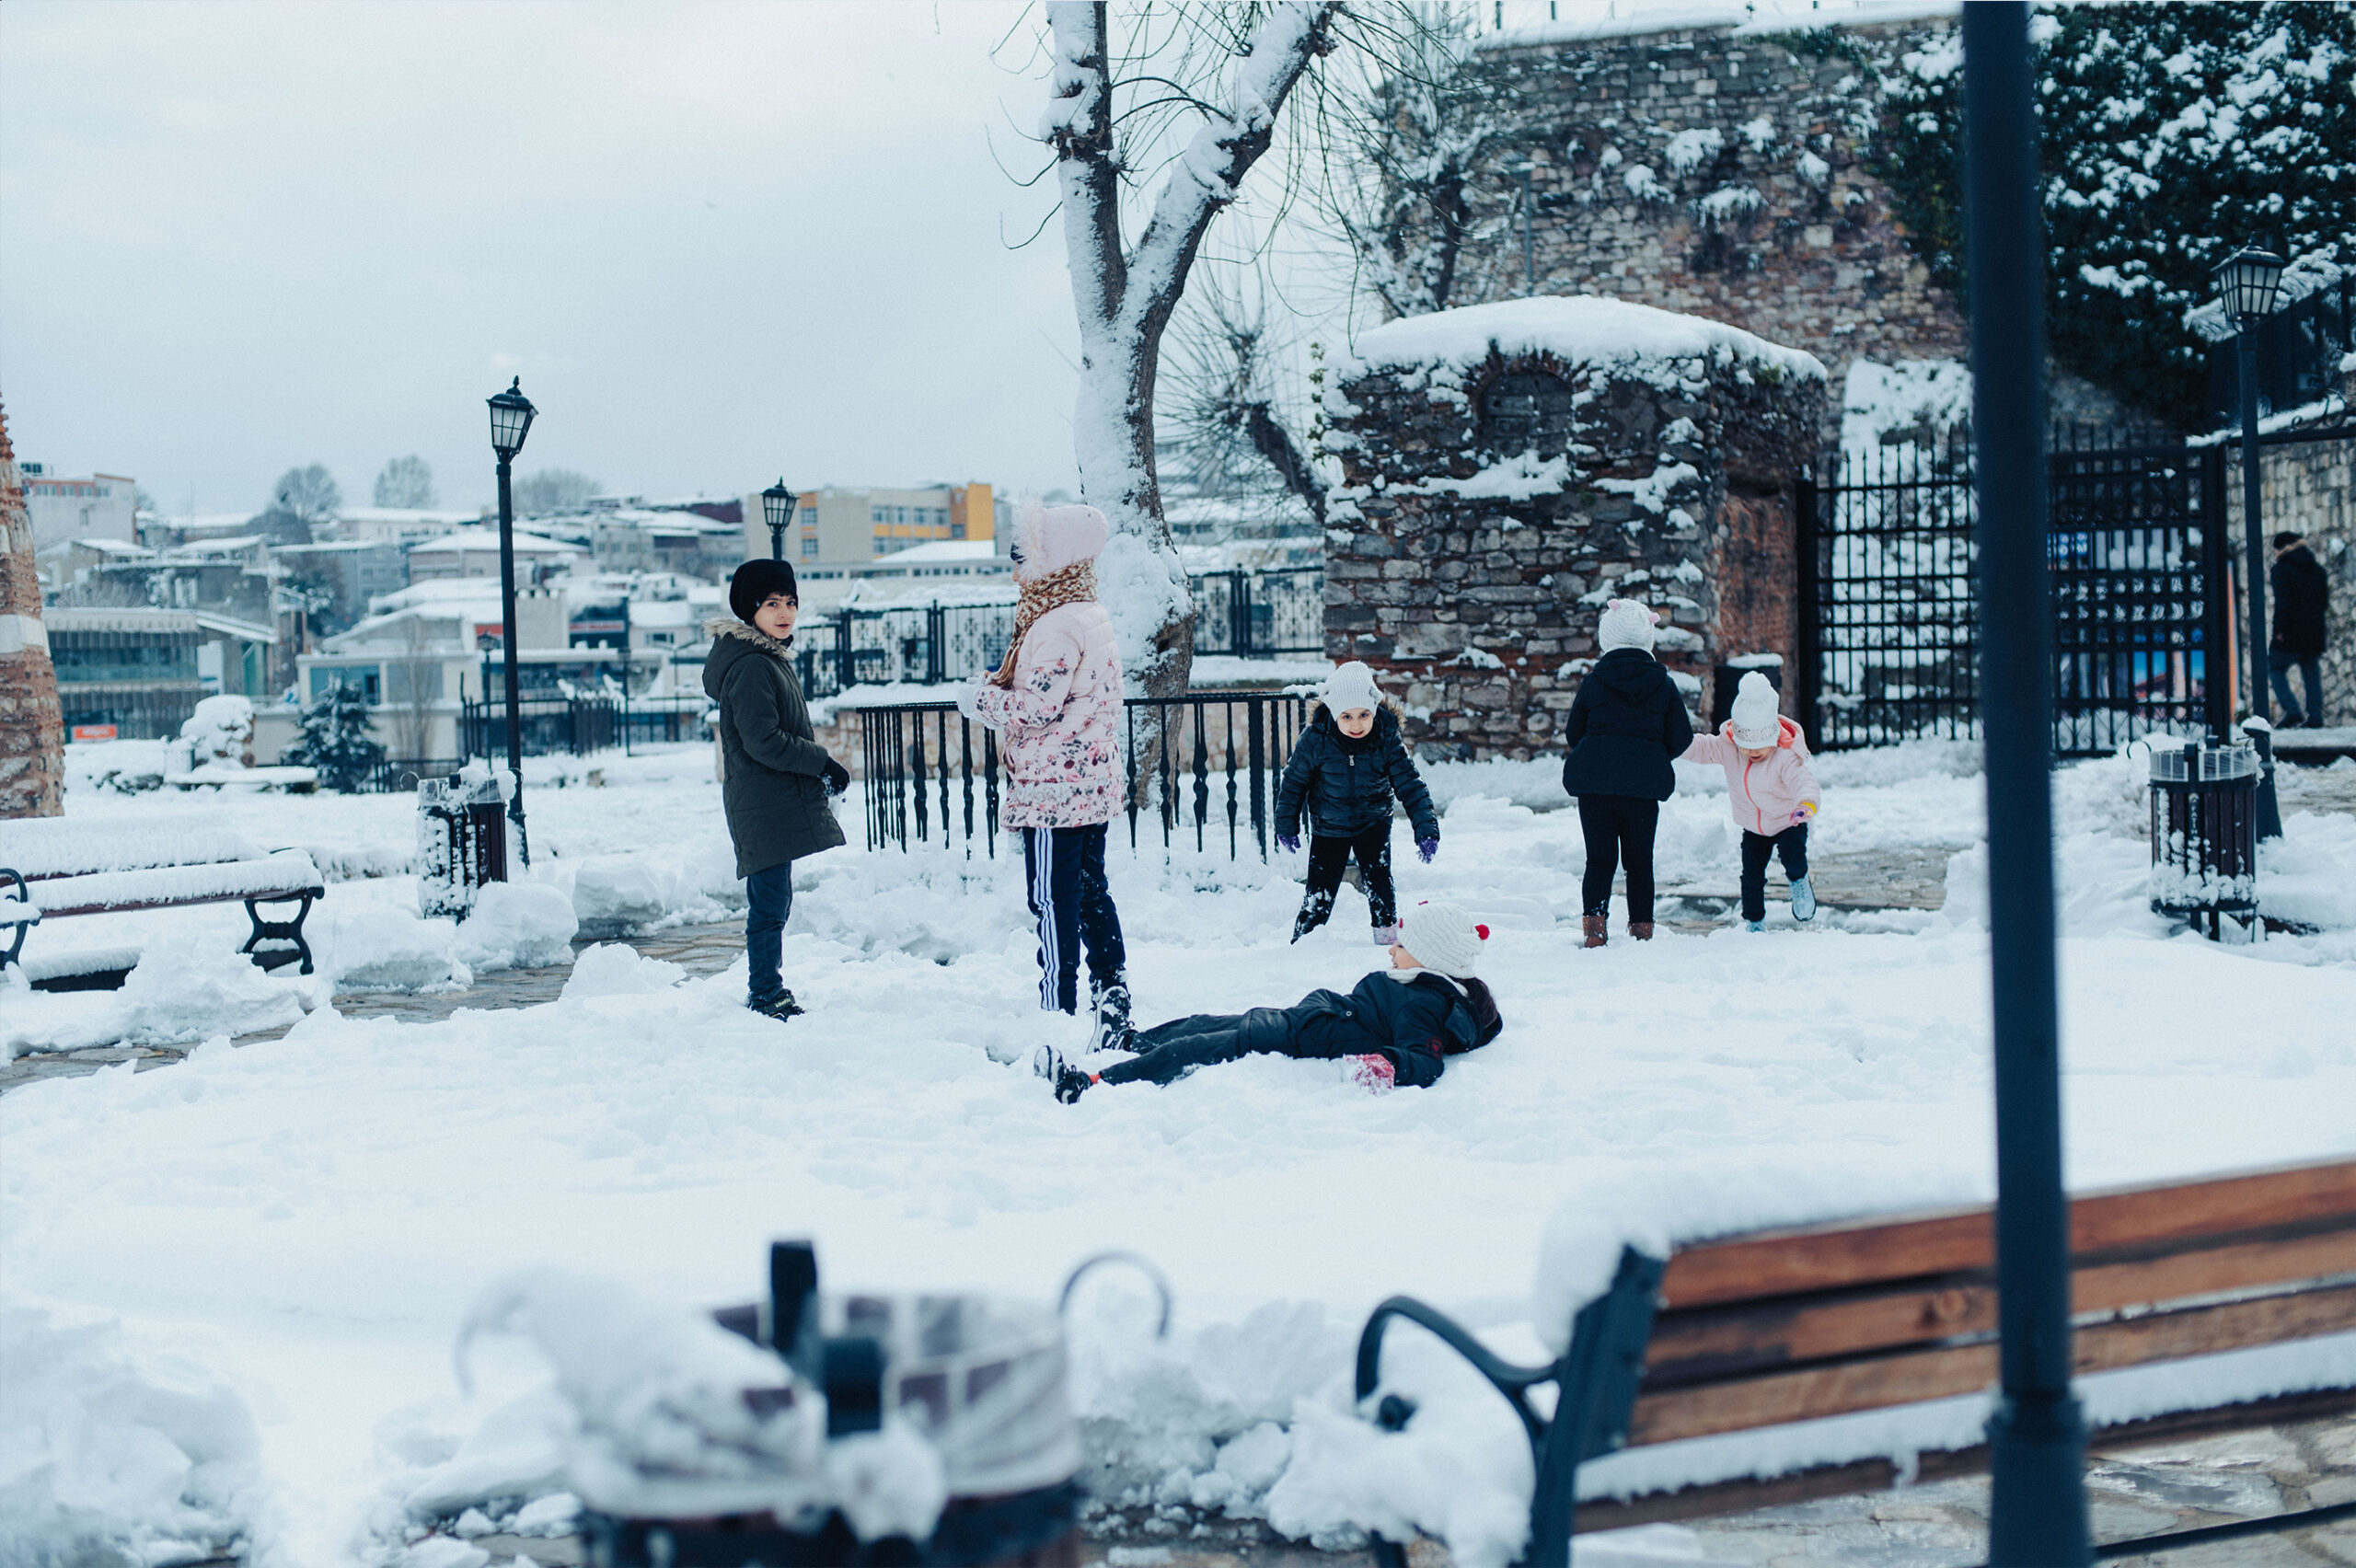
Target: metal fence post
column 2216, row 604
column 2037, row 1436
column 1811, row 682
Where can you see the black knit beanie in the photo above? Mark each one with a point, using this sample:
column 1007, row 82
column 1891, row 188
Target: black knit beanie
column 755, row 581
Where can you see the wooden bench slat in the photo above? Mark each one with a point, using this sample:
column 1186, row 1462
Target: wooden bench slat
column 1722, row 1341
column 1961, row 1241
column 1873, row 1383
column 132, row 907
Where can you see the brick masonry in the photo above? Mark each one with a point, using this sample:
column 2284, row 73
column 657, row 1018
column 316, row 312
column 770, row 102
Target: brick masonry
column 32, row 739
column 2309, row 487
column 1480, row 611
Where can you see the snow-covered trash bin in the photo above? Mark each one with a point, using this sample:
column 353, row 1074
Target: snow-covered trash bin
column 805, row 1430
column 2204, row 837
column 461, row 837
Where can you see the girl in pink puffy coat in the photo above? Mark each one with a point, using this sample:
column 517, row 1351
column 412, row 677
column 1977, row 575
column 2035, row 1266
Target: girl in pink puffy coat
column 1057, row 700
column 1772, row 792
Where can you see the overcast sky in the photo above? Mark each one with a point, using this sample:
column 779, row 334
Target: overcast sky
column 717, row 242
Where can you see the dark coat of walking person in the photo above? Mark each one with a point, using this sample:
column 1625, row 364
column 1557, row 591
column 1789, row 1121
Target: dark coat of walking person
column 1350, row 763
column 2302, row 592
column 1627, row 725
column 775, row 778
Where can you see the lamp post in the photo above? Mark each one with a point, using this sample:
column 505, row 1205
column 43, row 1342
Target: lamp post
column 2247, row 282
column 2036, row 1435
column 510, row 421
column 777, row 511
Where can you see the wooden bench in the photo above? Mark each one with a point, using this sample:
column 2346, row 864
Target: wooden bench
column 52, row 870
column 1750, row 1333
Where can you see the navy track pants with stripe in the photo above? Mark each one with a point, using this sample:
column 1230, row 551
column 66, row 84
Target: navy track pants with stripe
column 1063, row 878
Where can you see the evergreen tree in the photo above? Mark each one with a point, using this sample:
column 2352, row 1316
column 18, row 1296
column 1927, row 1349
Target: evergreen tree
column 335, row 741
column 2172, row 135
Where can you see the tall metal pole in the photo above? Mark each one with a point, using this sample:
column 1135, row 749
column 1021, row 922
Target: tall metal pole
column 507, row 643
column 1529, row 244
column 777, row 541
column 2037, row 1436
column 2254, row 533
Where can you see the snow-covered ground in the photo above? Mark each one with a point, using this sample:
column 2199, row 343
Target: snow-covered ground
column 228, row 1289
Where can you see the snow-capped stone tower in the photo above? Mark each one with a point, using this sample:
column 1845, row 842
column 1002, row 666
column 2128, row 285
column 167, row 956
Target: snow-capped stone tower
column 1508, row 468
column 32, row 741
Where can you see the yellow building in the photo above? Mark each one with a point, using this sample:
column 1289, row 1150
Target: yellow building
column 840, row 526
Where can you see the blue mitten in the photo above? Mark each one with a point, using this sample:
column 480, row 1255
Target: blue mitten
column 1288, row 842
column 1428, row 848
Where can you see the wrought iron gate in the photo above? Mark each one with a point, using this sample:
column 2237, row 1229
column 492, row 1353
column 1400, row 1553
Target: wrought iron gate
column 1889, row 605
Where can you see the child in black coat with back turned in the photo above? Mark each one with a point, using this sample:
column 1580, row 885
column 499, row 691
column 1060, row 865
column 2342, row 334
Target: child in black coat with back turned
column 1350, row 762
column 1626, row 725
column 1397, row 1026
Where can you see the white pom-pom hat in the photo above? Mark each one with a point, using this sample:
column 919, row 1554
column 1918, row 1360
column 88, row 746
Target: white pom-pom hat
column 1444, row 937
column 1625, row 624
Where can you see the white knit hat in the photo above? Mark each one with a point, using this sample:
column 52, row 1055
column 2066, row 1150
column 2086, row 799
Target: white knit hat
column 1443, row 936
column 1625, row 624
column 1753, row 714
column 1350, row 685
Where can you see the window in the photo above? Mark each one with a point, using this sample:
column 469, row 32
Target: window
column 879, row 514
column 883, row 544
column 1525, row 412
column 808, row 518
column 809, row 547
column 956, row 530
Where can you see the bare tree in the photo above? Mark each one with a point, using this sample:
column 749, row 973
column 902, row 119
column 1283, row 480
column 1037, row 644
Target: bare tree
column 406, row 482
column 309, row 495
column 554, row 490
column 419, row 686
column 1239, row 434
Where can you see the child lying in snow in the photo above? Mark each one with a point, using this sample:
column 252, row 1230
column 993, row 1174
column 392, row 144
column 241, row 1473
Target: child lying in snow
column 1398, row 1026
column 1772, row 791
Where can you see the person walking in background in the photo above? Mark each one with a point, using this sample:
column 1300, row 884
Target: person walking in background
column 2302, row 602
column 1626, row 727
column 1056, row 698
column 1772, row 791
column 775, row 778
column 1351, row 761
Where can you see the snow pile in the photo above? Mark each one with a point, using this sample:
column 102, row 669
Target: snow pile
column 188, row 986
column 111, row 1448
column 609, row 969
column 79, row 844
column 220, row 733
column 525, row 924
column 123, row 767
column 1584, row 330
column 389, row 949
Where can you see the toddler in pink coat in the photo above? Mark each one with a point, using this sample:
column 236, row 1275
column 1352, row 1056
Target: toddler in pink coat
column 1057, row 700
column 1771, row 791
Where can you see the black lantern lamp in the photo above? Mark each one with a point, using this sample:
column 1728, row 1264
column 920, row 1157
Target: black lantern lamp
column 777, row 511
column 2248, row 282
column 510, row 421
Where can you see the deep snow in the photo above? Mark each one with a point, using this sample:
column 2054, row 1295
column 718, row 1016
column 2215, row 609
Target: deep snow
column 305, row 1222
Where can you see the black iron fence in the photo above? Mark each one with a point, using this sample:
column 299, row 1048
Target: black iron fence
column 578, row 725
column 1888, row 604
column 1252, row 614
column 1204, row 766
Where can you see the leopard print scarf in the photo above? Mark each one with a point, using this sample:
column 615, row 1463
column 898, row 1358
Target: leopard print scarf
column 1074, row 584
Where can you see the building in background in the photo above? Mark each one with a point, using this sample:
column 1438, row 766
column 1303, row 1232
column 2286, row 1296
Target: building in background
column 138, row 673
column 677, row 540
column 32, row 741
column 337, row 580
column 836, row 526
column 82, row 506
column 474, row 552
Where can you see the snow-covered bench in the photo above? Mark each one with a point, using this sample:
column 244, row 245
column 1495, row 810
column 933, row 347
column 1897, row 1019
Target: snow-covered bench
column 1748, row 1333
column 52, row 869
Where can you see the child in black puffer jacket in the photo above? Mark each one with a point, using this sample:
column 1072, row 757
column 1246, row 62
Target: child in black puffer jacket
column 1397, row 1026
column 1350, row 763
column 1626, row 725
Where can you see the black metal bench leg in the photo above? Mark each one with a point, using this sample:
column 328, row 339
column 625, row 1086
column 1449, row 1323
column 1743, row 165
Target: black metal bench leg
column 13, row 951
column 279, row 930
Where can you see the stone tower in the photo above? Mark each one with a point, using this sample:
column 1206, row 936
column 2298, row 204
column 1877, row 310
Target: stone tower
column 32, row 738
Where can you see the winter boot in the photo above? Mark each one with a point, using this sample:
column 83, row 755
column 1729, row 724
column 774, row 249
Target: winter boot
column 1314, row 909
column 1108, row 1001
column 1072, row 1083
column 1641, row 929
column 1754, row 925
column 1802, row 900
column 1594, row 924
column 781, row 1007
column 1386, row 936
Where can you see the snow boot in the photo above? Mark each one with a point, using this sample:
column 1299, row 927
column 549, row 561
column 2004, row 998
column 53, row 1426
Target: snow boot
column 1072, row 1083
column 1108, row 1002
column 1754, row 925
column 781, row 1007
column 1641, row 929
column 1314, row 910
column 1802, row 900
column 1386, row 936
column 1594, row 924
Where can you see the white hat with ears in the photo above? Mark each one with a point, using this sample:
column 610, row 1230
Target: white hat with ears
column 1625, row 624
column 1350, row 685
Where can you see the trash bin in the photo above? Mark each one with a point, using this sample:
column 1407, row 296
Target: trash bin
column 461, row 837
column 981, row 1379
column 2204, row 837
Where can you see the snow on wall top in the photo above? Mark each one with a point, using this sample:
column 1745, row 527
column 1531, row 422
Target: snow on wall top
column 1582, row 329
column 1526, row 26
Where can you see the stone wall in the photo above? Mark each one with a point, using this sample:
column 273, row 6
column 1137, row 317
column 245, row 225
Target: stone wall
column 2309, row 487
column 32, row 743
column 1723, row 175
column 1508, row 468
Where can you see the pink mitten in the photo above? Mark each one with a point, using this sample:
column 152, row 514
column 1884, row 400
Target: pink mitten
column 1372, row 1072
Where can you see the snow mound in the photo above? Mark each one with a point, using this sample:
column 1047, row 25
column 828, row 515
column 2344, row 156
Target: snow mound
column 220, row 731
column 392, row 950
column 517, row 926
column 115, row 1448
column 610, row 969
column 614, row 895
column 186, row 989
column 1582, row 329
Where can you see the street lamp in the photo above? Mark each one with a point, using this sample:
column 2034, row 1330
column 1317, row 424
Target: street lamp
column 510, row 421
column 776, row 510
column 2247, row 282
